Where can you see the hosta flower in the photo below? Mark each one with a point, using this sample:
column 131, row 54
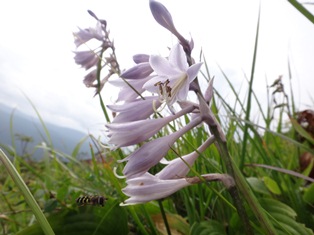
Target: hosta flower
column 97, row 57
column 140, row 58
column 173, row 76
column 129, row 133
column 148, row 187
column 86, row 59
column 90, row 78
column 164, row 18
column 138, row 109
column 141, row 70
column 178, row 167
column 162, row 15
column 84, row 35
column 141, row 160
column 130, row 89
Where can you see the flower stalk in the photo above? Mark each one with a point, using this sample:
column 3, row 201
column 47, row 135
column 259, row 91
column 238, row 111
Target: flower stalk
column 234, row 171
column 169, row 81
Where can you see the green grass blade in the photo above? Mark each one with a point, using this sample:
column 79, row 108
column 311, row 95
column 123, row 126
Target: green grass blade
column 236, row 94
column 41, row 121
column 249, row 104
column 27, row 194
column 302, row 10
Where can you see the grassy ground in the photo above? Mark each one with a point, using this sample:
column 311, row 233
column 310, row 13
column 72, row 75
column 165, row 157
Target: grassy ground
column 56, row 184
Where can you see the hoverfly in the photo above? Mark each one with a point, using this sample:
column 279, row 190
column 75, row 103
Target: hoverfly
column 91, row 200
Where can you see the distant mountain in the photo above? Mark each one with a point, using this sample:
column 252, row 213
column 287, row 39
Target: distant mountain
column 27, row 128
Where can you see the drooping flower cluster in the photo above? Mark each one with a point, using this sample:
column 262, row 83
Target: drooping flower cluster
column 154, row 83
column 94, row 60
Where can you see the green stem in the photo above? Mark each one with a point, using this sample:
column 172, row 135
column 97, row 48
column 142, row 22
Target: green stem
column 103, row 107
column 164, row 217
column 27, row 194
column 99, row 67
column 137, row 220
column 224, row 153
column 235, row 173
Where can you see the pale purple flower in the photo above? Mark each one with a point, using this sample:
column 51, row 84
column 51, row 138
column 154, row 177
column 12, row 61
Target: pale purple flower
column 141, row 160
column 173, row 76
column 148, row 187
column 90, row 78
column 141, row 70
column 84, row 35
column 130, row 89
column 164, row 18
column 138, row 109
column 129, row 133
column 140, row 58
column 162, row 15
column 178, row 168
column 209, row 91
column 86, row 59
column 91, row 58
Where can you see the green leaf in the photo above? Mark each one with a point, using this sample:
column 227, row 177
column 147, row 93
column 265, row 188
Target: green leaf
column 308, row 196
column 302, row 10
column 77, row 148
column 87, row 220
column 258, row 185
column 211, row 227
column 284, row 218
column 271, row 185
column 50, row 205
column 301, row 131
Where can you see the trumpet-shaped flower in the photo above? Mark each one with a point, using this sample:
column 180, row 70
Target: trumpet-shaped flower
column 141, row 70
column 140, row 58
column 179, row 167
column 90, row 78
column 129, row 88
column 86, row 59
column 84, row 35
column 173, row 76
column 138, row 109
column 164, row 18
column 152, row 152
column 148, row 187
column 129, row 133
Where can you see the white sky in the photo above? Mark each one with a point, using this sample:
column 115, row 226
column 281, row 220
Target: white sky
column 36, row 47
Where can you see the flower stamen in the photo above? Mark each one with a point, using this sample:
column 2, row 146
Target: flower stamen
column 164, row 89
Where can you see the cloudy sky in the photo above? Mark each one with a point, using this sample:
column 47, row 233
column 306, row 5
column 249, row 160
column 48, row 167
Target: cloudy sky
column 36, row 44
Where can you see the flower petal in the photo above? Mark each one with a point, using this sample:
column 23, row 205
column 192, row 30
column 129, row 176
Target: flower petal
column 162, row 16
column 141, row 70
column 193, row 71
column 177, row 57
column 140, row 58
column 86, row 59
column 130, row 88
column 178, row 167
column 125, row 134
column 148, row 187
column 152, row 152
column 162, row 66
column 136, row 110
